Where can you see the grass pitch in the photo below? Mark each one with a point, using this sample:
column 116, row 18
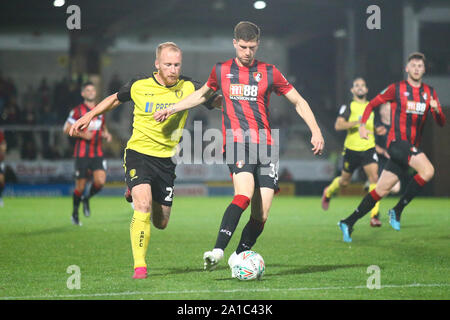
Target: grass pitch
column 301, row 245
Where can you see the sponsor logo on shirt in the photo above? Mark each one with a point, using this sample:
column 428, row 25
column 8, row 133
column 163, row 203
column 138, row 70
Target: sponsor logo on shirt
column 243, row 92
column 415, row 107
column 257, row 76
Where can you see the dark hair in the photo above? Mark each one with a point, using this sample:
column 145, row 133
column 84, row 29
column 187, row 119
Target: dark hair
column 247, row 31
column 359, row 78
column 88, row 83
column 418, row 56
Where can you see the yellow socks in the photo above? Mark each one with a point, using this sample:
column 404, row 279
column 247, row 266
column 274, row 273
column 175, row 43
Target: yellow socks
column 140, row 236
column 376, row 209
column 333, row 187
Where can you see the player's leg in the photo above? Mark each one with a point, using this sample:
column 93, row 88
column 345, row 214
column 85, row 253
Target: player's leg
column 261, row 203
column 333, row 188
column 351, row 162
column 244, row 186
column 99, row 179
column 162, row 195
column 140, row 228
column 371, row 171
column 260, row 206
column 266, row 185
column 98, row 168
column 387, row 180
column 425, row 172
column 139, row 175
column 160, row 215
column 80, row 184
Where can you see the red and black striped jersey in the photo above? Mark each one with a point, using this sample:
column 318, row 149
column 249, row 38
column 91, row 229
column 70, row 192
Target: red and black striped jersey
column 246, row 92
column 409, row 109
column 88, row 148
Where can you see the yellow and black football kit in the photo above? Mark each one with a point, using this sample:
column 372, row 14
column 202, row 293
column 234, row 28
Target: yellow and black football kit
column 147, row 158
column 357, row 151
column 148, row 153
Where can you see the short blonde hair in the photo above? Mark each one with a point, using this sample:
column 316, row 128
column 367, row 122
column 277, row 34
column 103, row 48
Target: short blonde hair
column 169, row 44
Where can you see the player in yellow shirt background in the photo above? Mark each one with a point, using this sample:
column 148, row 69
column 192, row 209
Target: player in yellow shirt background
column 357, row 152
column 149, row 169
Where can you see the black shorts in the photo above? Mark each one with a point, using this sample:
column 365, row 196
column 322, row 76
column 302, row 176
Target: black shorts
column 246, row 158
column 355, row 159
column 400, row 153
column 85, row 166
column 159, row 173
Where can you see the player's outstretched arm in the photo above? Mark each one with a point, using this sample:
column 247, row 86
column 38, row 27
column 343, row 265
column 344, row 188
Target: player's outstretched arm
column 342, row 124
column 105, row 105
column 306, row 113
column 196, row 98
column 86, row 135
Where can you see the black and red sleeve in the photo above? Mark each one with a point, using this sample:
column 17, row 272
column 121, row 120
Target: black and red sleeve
column 386, row 95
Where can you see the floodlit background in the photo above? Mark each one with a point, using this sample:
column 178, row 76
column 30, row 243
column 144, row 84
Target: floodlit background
column 319, row 45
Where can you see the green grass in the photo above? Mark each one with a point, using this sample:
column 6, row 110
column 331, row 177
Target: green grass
column 302, row 247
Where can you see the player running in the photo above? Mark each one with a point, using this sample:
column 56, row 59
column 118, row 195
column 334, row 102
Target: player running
column 149, row 169
column 88, row 152
column 246, row 85
column 411, row 100
column 357, row 152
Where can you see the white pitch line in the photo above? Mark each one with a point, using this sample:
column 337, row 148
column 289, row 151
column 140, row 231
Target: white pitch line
column 131, row 293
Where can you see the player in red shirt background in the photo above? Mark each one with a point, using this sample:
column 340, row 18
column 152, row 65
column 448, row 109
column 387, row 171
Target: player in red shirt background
column 246, row 85
column 88, row 152
column 411, row 100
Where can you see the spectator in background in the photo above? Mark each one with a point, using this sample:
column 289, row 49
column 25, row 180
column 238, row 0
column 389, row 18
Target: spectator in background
column 28, row 117
column 29, row 150
column 11, row 116
column 47, row 118
column 7, row 91
column 60, row 96
column 29, row 96
column 11, row 113
column 43, row 93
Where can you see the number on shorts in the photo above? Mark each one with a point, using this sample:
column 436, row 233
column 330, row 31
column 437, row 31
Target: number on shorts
column 274, row 170
column 170, row 196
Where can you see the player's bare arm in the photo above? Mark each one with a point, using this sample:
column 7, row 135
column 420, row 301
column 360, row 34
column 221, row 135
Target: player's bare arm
column 381, row 130
column 86, row 135
column 342, row 124
column 363, row 132
column 305, row 112
column 105, row 105
column 196, row 98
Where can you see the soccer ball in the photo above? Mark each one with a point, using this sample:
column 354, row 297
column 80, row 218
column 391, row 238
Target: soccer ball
column 248, row 265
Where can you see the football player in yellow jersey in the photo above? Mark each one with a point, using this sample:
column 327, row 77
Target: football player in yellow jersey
column 357, row 152
column 149, row 169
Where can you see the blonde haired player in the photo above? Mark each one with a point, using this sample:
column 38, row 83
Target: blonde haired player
column 149, row 169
